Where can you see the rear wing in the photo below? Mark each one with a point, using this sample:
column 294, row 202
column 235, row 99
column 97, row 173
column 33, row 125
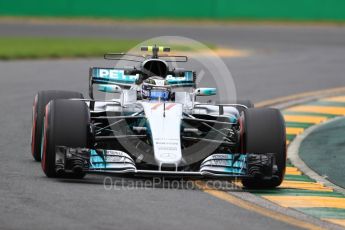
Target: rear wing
column 187, row 80
column 111, row 76
column 117, row 76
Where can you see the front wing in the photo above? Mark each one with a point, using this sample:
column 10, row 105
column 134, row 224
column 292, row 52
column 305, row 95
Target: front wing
column 218, row 165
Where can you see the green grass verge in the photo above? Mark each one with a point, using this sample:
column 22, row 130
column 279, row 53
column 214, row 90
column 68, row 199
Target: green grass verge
column 34, row 48
column 38, row 48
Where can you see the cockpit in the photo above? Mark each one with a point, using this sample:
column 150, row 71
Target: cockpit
column 155, row 89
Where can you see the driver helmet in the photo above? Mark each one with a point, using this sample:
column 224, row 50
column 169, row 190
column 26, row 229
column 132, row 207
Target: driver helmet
column 153, row 89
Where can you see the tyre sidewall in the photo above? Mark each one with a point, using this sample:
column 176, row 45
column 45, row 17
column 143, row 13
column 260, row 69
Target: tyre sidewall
column 264, row 132
column 66, row 124
column 42, row 98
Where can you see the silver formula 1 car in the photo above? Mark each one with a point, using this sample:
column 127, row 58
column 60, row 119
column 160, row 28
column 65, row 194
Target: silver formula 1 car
column 156, row 127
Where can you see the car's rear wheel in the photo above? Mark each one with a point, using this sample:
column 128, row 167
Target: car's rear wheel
column 66, row 123
column 264, row 132
column 42, row 98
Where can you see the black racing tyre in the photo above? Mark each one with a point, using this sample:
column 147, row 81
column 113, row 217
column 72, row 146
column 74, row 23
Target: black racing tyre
column 66, row 123
column 42, row 98
column 264, row 132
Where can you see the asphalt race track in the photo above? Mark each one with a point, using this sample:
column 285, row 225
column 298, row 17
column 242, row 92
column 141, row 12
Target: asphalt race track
column 284, row 60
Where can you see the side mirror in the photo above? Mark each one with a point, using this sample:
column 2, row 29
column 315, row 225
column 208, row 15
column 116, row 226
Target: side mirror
column 205, row 91
column 109, row 88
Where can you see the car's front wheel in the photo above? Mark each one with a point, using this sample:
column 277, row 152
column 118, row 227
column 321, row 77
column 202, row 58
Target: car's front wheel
column 264, row 132
column 42, row 98
column 66, row 123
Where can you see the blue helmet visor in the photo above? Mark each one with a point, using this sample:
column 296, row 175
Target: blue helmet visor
column 159, row 94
